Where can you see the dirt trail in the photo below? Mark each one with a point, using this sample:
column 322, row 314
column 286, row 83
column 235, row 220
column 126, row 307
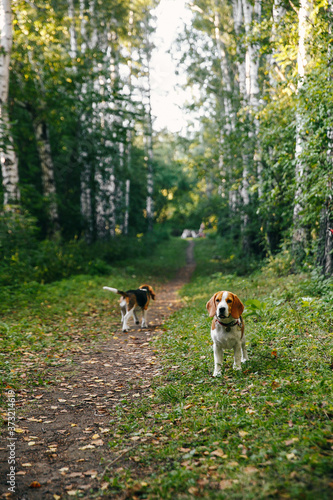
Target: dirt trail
column 65, row 432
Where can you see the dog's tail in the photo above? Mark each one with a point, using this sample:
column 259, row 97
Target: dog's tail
column 114, row 290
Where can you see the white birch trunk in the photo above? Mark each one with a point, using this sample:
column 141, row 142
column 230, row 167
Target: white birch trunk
column 9, row 163
column 241, row 67
column 241, row 70
column 150, row 174
column 83, row 26
column 72, row 32
column 149, row 146
column 253, row 13
column 129, row 107
column 226, row 82
column 127, row 204
column 299, row 232
column 278, row 12
column 86, row 181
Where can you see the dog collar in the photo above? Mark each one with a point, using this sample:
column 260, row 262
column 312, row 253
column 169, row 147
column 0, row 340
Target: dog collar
column 228, row 326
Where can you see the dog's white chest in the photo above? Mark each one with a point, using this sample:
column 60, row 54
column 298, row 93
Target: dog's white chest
column 228, row 337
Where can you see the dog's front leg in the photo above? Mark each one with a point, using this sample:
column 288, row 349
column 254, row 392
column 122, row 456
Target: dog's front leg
column 218, row 359
column 237, row 357
column 126, row 318
column 244, row 352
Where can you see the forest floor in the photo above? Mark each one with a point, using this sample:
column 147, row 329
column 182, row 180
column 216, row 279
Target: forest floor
column 102, row 414
column 63, row 430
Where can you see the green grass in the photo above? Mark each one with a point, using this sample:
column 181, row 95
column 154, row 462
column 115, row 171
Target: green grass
column 43, row 325
column 265, row 432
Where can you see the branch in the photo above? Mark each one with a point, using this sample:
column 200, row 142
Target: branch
column 293, row 7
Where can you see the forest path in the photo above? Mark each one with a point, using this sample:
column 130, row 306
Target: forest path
column 64, row 433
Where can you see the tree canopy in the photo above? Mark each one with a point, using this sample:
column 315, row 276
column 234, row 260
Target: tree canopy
column 258, row 167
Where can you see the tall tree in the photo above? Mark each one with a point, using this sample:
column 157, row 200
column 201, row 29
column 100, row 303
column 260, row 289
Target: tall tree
column 299, row 229
column 326, row 220
column 9, row 162
column 148, row 128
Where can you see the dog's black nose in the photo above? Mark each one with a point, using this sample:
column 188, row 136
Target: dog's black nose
column 222, row 311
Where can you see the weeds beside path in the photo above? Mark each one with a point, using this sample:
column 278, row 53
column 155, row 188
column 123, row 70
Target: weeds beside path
column 63, row 430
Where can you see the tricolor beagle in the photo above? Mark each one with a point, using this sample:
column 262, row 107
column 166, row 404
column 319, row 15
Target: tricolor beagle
column 132, row 300
column 227, row 330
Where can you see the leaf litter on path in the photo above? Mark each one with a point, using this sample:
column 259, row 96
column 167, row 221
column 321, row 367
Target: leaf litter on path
column 63, row 430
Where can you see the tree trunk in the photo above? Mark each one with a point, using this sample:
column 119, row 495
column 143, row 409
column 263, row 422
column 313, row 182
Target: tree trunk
column 253, row 13
column 150, row 173
column 72, row 32
column 299, row 231
column 149, row 143
column 127, row 203
column 226, row 79
column 325, row 251
column 325, row 257
column 9, row 163
column 42, row 136
column 238, row 21
column 45, row 156
column 278, row 12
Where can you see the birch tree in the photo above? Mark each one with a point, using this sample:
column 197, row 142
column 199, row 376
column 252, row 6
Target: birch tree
column 299, row 230
column 148, row 128
column 252, row 15
column 9, row 162
column 35, row 67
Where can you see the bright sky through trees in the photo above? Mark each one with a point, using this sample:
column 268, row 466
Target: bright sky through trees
column 167, row 96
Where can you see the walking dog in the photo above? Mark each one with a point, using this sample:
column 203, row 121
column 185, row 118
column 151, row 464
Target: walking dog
column 227, row 330
column 131, row 301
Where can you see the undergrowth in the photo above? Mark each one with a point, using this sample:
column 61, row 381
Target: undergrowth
column 43, row 325
column 264, row 432
column 25, row 258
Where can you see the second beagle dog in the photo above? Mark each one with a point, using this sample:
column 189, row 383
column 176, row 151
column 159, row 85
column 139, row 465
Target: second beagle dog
column 132, row 300
column 227, row 329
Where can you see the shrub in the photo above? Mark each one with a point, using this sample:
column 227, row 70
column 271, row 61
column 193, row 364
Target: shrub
column 25, row 258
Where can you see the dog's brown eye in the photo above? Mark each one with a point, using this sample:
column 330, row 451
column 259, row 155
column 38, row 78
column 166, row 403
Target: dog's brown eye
column 217, row 300
column 229, row 301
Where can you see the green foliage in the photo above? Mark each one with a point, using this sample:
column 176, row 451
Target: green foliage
column 279, row 264
column 236, row 173
column 228, row 153
column 24, row 258
column 255, row 308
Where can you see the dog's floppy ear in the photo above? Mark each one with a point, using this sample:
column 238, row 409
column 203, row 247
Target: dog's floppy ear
column 237, row 307
column 150, row 289
column 211, row 306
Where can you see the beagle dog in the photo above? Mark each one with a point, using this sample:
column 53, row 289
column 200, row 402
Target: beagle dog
column 131, row 301
column 227, row 329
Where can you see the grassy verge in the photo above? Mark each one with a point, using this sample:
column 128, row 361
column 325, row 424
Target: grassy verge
column 263, row 433
column 43, row 325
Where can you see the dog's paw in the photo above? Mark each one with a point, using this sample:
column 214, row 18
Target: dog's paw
column 125, row 330
column 244, row 360
column 217, row 374
column 237, row 367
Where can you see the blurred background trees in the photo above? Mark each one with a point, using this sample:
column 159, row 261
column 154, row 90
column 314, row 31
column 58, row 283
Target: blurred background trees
column 81, row 159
